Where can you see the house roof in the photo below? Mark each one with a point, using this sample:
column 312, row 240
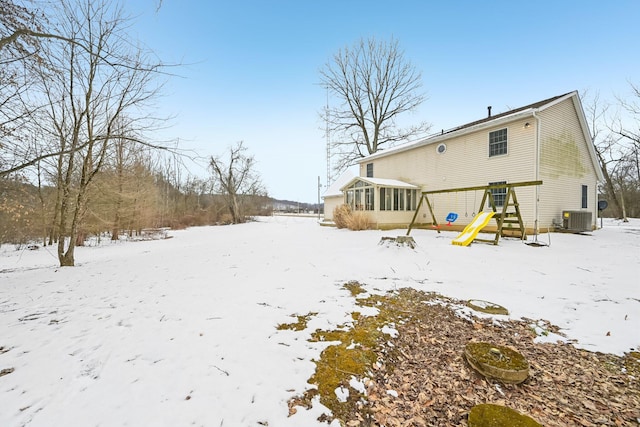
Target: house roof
column 497, row 119
column 535, row 106
column 380, row 182
column 334, row 189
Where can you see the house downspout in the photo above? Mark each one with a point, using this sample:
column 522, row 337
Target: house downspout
column 537, row 178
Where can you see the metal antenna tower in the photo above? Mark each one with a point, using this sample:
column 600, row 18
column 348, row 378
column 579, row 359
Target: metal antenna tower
column 328, row 138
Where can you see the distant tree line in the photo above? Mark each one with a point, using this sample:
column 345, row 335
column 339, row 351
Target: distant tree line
column 150, row 193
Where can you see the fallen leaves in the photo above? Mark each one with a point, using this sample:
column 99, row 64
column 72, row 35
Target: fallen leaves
column 566, row 386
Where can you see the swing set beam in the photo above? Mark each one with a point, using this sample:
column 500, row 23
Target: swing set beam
column 484, row 187
column 487, row 194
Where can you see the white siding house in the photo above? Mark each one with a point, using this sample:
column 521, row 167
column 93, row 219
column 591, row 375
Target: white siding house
column 333, row 197
column 547, row 141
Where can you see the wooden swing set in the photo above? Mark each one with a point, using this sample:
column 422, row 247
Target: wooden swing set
column 504, row 217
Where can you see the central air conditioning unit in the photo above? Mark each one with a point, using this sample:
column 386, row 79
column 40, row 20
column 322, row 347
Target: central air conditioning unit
column 577, row 221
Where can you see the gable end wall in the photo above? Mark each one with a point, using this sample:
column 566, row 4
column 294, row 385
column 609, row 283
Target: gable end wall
column 565, row 164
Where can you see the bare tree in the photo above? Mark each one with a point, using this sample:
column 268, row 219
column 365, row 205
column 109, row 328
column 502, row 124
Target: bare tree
column 124, row 183
column 24, row 31
column 19, row 28
column 123, row 195
column 237, row 180
column 631, row 131
column 374, row 84
column 17, row 58
column 608, row 149
column 623, row 154
column 93, row 89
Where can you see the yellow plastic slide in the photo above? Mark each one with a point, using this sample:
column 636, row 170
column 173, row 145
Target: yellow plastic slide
column 472, row 229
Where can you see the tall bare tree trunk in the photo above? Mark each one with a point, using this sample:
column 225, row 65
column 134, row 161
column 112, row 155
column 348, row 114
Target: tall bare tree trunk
column 63, row 233
column 117, row 221
column 236, row 178
column 611, row 188
column 235, row 209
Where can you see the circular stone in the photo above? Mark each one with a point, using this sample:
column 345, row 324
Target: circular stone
column 487, row 415
column 486, row 307
column 499, row 362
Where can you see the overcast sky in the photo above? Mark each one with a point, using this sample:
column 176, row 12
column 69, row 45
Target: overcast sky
column 251, row 68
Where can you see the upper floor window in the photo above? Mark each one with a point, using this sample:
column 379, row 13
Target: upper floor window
column 498, row 142
column 369, row 170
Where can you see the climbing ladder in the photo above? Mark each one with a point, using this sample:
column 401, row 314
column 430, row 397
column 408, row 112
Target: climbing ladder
column 506, row 216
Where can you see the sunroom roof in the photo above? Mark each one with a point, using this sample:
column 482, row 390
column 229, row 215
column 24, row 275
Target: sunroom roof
column 380, row 182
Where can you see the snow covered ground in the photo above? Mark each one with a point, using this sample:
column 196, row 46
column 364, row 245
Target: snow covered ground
column 182, row 332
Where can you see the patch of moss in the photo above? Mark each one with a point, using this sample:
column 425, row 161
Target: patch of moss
column 358, row 346
column 498, row 356
column 353, row 356
column 355, row 288
column 502, row 363
column 300, row 325
column 487, row 307
column 488, row 415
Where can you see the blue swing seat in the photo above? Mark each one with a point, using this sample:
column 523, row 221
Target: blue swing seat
column 451, row 217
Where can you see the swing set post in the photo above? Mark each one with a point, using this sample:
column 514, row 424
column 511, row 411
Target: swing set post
column 413, row 220
column 423, row 196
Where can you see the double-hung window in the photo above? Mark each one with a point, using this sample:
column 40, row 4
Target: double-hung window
column 398, row 199
column 368, row 199
column 498, row 142
column 411, row 199
column 499, row 194
column 369, row 170
column 385, row 199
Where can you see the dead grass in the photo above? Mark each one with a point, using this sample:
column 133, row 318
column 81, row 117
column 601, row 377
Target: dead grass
column 341, row 216
column 344, row 217
column 358, row 221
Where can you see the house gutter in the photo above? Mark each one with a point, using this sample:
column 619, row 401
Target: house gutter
column 537, row 173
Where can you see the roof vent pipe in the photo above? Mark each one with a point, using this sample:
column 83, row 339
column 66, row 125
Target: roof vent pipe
column 489, row 111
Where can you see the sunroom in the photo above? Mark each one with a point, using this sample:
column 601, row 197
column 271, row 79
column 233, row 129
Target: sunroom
column 388, row 202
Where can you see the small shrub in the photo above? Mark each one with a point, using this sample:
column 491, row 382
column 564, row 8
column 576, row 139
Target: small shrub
column 341, row 216
column 344, row 217
column 358, row 221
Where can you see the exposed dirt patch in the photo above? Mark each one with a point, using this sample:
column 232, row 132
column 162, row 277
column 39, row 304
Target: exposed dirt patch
column 420, row 376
